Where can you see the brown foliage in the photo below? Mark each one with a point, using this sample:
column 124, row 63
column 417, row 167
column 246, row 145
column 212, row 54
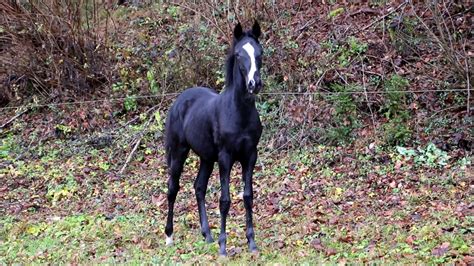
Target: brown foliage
column 311, row 49
column 50, row 48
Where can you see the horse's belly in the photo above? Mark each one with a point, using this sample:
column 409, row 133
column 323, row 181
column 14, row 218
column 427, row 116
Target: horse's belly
column 201, row 141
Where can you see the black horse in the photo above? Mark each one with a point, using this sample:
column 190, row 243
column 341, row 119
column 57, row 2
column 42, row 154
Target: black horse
column 222, row 128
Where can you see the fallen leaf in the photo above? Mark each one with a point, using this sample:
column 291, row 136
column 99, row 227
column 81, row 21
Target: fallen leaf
column 158, row 200
column 330, row 252
column 440, row 250
column 317, row 245
column 469, row 260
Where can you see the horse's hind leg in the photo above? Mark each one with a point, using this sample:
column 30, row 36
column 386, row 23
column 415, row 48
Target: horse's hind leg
column 225, row 166
column 200, row 187
column 177, row 158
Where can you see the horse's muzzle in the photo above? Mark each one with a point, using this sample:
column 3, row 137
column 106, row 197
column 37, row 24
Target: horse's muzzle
column 254, row 86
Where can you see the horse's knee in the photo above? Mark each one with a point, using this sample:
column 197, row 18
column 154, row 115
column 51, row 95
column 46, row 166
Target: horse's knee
column 224, row 205
column 175, row 170
column 200, row 193
column 250, row 233
column 200, row 187
column 248, row 194
column 248, row 199
column 172, row 190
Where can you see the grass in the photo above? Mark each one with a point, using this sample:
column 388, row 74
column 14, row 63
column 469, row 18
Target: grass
column 317, row 204
column 62, row 201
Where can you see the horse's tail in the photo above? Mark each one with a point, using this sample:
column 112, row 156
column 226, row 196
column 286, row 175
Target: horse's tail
column 168, row 155
column 167, row 140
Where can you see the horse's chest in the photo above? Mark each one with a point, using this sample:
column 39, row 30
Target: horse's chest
column 240, row 141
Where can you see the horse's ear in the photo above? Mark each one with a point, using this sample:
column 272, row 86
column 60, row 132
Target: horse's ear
column 256, row 31
column 238, row 31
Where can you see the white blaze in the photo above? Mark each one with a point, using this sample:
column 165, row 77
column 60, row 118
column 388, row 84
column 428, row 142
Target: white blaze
column 253, row 68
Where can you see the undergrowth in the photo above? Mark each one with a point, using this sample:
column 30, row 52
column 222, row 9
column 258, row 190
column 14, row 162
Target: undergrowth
column 51, row 49
column 357, row 166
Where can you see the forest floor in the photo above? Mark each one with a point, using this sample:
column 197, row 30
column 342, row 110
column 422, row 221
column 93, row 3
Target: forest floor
column 371, row 199
column 62, row 201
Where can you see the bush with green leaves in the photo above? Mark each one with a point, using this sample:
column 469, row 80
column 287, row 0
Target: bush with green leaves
column 395, row 109
column 6, row 144
column 353, row 49
column 345, row 118
column 185, row 54
column 430, row 156
column 403, row 33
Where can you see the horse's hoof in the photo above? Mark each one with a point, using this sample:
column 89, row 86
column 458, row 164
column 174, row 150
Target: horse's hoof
column 223, row 257
column 253, row 248
column 209, row 239
column 169, row 240
column 254, row 252
column 223, row 254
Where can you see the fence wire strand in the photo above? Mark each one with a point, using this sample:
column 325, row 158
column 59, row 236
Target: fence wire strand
column 174, row 94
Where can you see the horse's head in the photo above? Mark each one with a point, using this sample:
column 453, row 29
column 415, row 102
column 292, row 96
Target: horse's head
column 248, row 56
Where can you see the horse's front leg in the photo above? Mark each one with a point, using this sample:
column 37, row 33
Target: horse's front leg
column 247, row 173
column 225, row 166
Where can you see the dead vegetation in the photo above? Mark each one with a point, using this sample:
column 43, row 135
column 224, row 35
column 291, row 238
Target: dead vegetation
column 52, row 49
column 376, row 64
column 367, row 112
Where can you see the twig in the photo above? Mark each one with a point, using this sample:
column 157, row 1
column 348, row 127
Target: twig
column 367, row 96
column 214, row 11
column 200, row 13
column 14, row 117
column 305, row 26
column 365, row 10
column 130, row 155
column 341, row 77
column 444, row 110
column 383, row 17
column 450, row 54
column 308, row 24
column 321, row 78
column 137, row 143
column 468, row 86
column 236, row 13
column 137, row 117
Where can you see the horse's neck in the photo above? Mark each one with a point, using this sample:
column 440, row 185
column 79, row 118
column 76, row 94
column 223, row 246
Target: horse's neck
column 236, row 93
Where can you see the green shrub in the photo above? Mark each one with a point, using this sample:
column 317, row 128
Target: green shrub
column 430, row 156
column 395, row 109
column 6, row 146
column 130, row 104
column 403, row 34
column 345, row 114
column 354, row 48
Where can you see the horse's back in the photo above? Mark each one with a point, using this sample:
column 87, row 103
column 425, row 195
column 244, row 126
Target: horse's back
column 196, row 93
column 191, row 113
column 192, row 98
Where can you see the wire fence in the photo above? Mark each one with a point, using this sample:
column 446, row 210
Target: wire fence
column 174, row 94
